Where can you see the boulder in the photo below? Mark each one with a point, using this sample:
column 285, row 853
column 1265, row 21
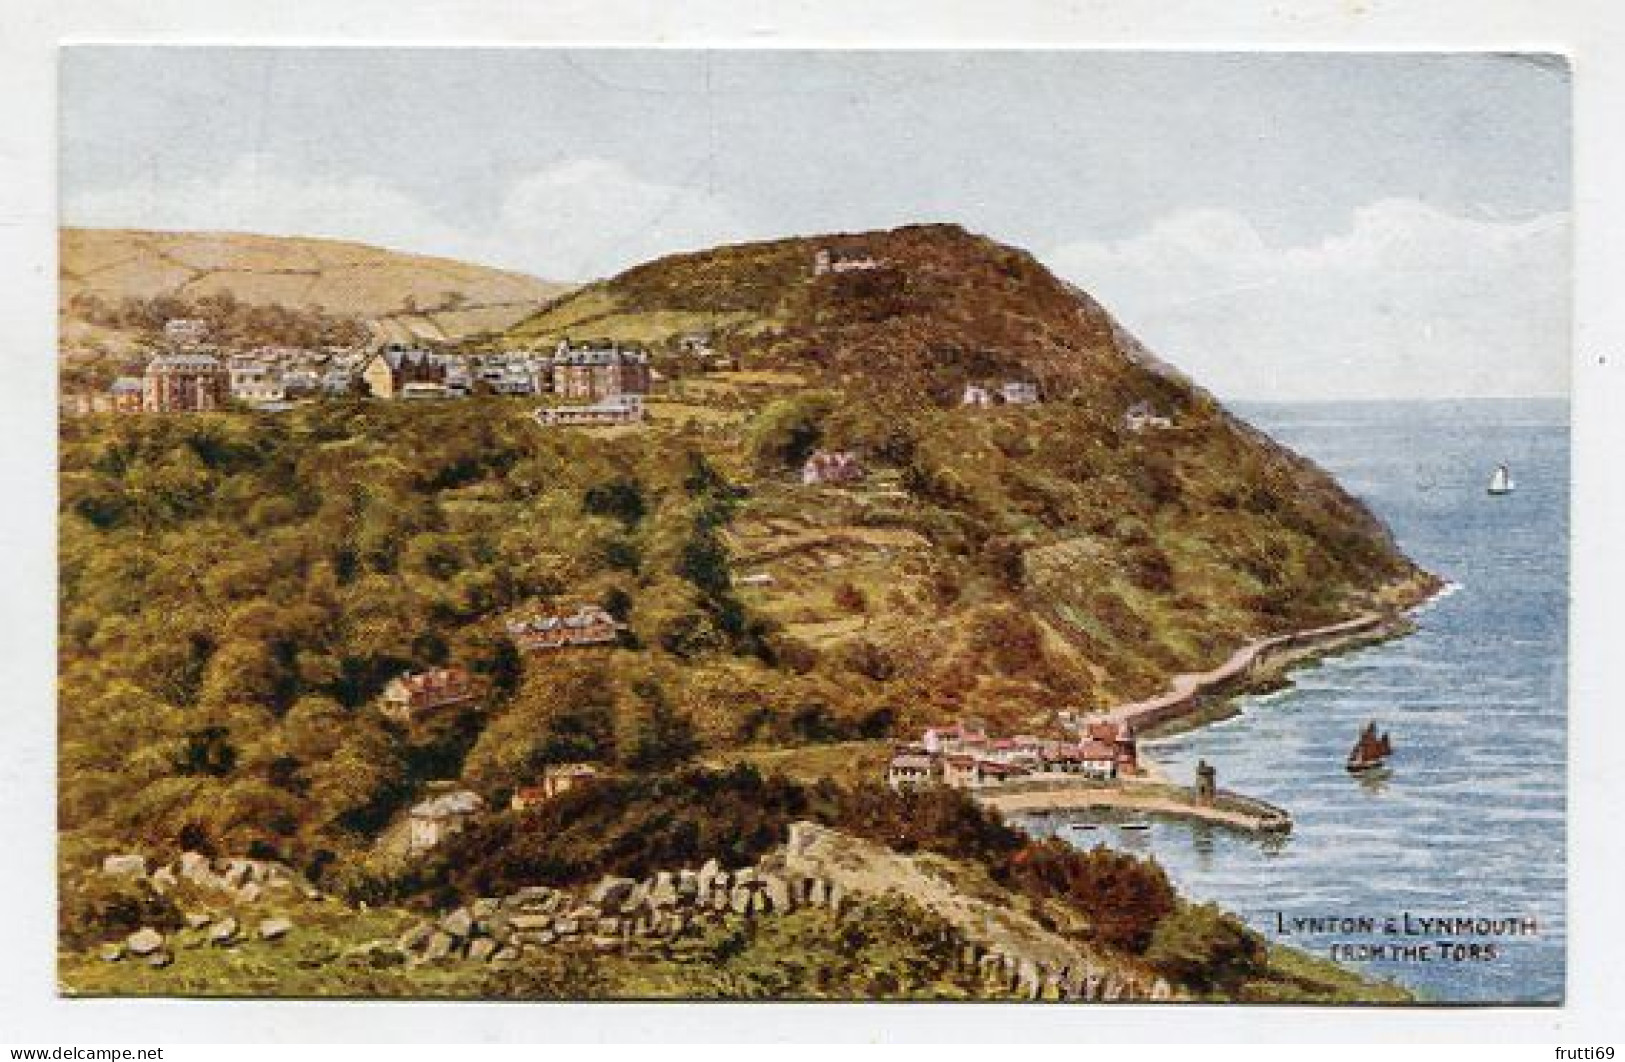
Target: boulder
column 745, row 876
column 224, row 931
column 144, row 941
column 776, row 891
column 416, row 937
column 482, row 949
column 530, row 923
column 531, row 897
column 125, row 866
column 817, row 892
column 707, row 876
column 664, row 893
column 742, row 900
column 485, row 907
column 236, row 873
column 460, row 923
column 440, row 946
column 610, row 893
column 688, row 884
column 274, row 928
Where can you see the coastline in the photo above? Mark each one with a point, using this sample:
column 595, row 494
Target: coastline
column 1194, row 699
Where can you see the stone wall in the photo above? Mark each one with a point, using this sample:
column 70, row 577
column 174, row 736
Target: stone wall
column 624, row 915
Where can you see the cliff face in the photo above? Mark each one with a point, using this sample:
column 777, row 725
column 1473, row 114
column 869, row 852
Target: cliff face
column 1073, row 548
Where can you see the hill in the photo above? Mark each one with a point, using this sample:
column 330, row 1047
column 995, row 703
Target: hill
column 1111, row 556
column 341, row 277
column 237, row 589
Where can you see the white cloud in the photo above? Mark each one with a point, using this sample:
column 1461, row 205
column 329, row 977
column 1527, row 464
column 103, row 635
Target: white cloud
column 590, row 217
column 1409, row 302
column 574, row 221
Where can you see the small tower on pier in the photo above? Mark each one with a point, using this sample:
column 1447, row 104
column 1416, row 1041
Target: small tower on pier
column 1207, row 782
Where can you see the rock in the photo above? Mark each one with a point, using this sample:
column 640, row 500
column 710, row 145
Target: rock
column 688, row 884
column 1161, row 991
column 482, row 949
column 745, row 876
column 274, row 928
column 707, row 876
column 743, row 900
column 817, row 892
column 605, row 944
column 440, row 946
column 531, row 897
column 460, row 923
column 197, row 919
column 195, row 867
column 485, row 907
column 416, row 937
column 125, row 866
column 640, row 896
column 164, row 879
column 611, row 892
column 664, row 894
column 311, row 892
column 144, row 941
column 112, row 952
column 507, row 954
column 224, row 931
column 720, row 900
column 250, row 893
column 236, row 873
column 777, row 893
column 530, row 923
column 160, row 958
column 803, row 835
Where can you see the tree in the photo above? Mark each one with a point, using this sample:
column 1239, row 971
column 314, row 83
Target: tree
column 1204, row 947
column 787, row 431
column 654, row 736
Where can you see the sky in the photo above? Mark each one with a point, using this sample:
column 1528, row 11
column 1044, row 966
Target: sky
column 1280, row 226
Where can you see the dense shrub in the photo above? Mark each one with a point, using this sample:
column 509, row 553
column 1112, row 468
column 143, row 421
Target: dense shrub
column 1125, row 898
column 1207, row 949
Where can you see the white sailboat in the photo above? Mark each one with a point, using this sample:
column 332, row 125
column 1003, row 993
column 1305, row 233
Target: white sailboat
column 1501, row 480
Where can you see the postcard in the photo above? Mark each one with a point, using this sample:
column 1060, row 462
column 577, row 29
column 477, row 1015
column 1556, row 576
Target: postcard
column 1062, row 526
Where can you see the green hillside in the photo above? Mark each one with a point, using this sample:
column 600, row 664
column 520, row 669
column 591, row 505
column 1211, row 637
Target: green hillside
column 236, row 589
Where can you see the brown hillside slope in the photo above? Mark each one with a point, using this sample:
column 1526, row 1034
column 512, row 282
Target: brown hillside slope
column 299, row 273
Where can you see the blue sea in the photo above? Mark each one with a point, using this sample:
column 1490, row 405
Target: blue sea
column 1469, row 822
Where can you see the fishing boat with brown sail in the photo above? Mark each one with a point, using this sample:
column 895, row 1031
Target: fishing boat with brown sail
column 1370, row 752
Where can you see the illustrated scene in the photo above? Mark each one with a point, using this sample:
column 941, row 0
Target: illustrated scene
column 1061, row 527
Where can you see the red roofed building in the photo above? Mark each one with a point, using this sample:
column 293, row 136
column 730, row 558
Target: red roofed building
column 831, row 466
column 409, row 696
column 589, row 625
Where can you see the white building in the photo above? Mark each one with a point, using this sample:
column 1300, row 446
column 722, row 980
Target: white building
column 439, row 817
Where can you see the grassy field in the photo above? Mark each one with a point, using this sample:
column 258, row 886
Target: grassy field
column 844, row 761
